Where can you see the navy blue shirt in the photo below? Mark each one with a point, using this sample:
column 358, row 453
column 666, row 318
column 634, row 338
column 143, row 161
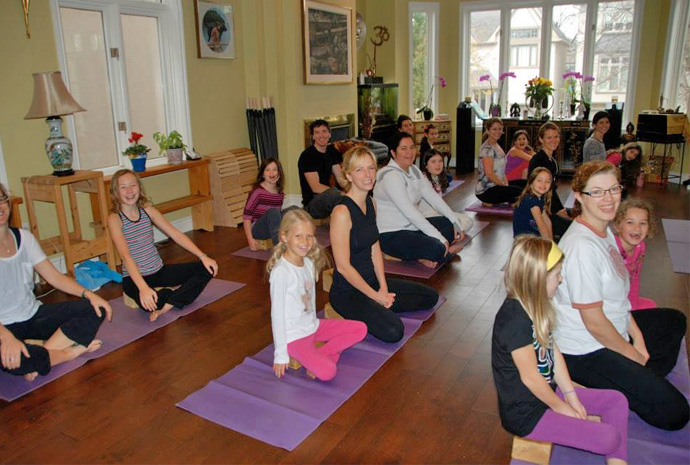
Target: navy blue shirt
column 523, row 220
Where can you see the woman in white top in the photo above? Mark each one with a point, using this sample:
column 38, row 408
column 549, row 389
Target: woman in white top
column 404, row 231
column 35, row 336
column 605, row 345
column 492, row 185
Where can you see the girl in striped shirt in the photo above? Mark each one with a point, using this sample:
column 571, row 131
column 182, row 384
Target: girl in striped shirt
column 131, row 227
column 262, row 212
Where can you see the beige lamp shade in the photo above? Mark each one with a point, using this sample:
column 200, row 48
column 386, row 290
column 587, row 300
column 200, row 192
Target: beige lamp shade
column 51, row 97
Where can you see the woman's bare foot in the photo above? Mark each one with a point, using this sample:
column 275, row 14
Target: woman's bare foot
column 455, row 248
column 487, row 205
column 153, row 316
column 428, row 263
column 31, row 376
column 34, row 342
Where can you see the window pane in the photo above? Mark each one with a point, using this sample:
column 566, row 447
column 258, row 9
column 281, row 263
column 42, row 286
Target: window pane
column 85, row 52
column 613, row 42
column 144, row 78
column 420, row 59
column 683, row 97
column 567, row 48
column 525, row 36
column 485, row 32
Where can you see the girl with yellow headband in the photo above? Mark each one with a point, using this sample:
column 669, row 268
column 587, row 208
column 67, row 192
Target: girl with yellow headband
column 536, row 397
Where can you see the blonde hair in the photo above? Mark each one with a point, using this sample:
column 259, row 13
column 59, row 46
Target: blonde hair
column 584, row 173
column 642, row 205
column 316, row 254
column 116, row 207
column 351, row 161
column 528, row 188
column 525, row 280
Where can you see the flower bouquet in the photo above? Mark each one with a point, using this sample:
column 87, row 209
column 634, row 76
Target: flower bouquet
column 537, row 93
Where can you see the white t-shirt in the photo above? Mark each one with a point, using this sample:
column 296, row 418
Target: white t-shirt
column 17, row 299
column 594, row 275
column 293, row 305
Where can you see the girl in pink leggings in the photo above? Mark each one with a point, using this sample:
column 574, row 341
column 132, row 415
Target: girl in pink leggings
column 536, row 397
column 294, row 266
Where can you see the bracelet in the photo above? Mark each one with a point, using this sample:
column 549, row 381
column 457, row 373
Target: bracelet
column 568, row 392
column 83, row 293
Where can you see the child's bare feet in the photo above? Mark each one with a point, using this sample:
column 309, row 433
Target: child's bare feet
column 428, row 263
column 455, row 248
column 31, row 376
column 153, row 316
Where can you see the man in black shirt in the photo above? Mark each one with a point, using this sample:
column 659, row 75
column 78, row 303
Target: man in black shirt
column 315, row 167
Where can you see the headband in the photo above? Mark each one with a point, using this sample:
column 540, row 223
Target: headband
column 555, row 255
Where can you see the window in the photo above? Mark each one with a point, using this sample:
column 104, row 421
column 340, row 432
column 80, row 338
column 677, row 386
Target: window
column 123, row 61
column 423, row 55
column 550, row 38
column 676, row 74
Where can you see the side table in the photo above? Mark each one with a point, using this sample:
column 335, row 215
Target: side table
column 48, row 188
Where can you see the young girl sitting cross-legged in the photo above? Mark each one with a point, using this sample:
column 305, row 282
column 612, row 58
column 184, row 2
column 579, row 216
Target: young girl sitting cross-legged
column 294, row 266
column 131, row 227
column 536, row 397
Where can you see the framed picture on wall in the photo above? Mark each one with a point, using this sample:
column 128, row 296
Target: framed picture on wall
column 215, row 31
column 327, row 35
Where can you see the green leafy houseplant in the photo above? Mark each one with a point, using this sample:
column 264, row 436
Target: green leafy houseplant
column 171, row 141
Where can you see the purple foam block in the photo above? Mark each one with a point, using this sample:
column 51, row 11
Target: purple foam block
column 322, row 236
column 502, row 209
column 283, row 412
column 676, row 230
column 455, row 183
column 127, row 326
column 415, row 269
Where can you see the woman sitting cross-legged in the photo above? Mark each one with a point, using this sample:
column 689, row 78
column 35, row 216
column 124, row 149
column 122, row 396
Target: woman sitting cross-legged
column 405, row 232
column 360, row 290
column 492, row 185
column 33, row 336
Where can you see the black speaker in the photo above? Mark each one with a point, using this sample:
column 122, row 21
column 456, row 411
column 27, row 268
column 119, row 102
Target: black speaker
column 464, row 142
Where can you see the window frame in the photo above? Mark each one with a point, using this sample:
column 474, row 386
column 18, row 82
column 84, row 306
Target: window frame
column 432, row 10
column 679, row 18
column 173, row 67
column 466, row 8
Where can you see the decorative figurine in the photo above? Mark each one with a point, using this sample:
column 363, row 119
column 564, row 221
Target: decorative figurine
column 515, row 110
column 629, row 136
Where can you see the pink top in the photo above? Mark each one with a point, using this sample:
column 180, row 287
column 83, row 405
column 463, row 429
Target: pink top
column 633, row 262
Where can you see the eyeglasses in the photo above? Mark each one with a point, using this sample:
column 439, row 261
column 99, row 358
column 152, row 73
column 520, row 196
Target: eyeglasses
column 4, row 199
column 598, row 193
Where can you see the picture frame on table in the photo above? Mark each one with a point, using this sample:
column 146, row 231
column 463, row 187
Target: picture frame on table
column 215, row 30
column 327, row 33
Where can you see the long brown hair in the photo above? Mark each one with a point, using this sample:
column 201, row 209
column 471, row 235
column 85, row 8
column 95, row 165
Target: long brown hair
column 316, row 254
column 351, row 161
column 525, row 280
column 143, row 200
column 490, row 122
column 586, row 171
column 262, row 168
column 5, row 193
column 528, row 188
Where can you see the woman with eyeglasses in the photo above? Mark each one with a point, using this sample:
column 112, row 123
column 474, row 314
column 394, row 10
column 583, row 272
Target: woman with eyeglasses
column 605, row 345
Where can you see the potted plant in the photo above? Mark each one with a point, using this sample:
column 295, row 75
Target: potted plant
column 171, row 145
column 137, row 152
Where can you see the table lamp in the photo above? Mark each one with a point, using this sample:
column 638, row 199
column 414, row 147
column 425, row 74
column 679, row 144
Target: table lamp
column 52, row 100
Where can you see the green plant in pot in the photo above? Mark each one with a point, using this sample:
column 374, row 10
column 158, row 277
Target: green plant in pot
column 137, row 152
column 171, row 145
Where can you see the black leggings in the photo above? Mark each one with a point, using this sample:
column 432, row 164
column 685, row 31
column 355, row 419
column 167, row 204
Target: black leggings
column 503, row 194
column 413, row 245
column 77, row 319
column 191, row 277
column 383, row 323
column 649, row 394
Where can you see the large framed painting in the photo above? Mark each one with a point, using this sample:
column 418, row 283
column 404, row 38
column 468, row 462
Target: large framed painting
column 327, row 34
column 215, row 31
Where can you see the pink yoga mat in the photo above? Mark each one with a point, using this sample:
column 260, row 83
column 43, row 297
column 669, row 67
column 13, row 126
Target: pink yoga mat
column 322, row 236
column 502, row 209
column 284, row 412
column 417, row 270
column 128, row 325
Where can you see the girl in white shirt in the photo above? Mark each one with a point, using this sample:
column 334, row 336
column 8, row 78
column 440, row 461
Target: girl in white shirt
column 296, row 263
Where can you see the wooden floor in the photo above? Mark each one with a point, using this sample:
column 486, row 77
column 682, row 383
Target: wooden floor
column 433, row 402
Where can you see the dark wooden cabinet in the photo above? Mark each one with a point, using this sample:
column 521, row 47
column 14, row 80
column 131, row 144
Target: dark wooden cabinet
column 573, row 136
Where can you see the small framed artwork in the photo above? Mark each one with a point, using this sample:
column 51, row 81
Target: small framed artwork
column 215, row 31
column 327, row 35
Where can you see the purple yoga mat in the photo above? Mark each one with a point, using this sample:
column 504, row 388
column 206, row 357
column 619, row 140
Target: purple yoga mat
column 680, row 256
column 322, row 236
column 127, row 326
column 502, row 209
column 646, row 445
column 676, row 230
column 417, row 270
column 452, row 186
column 284, row 412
